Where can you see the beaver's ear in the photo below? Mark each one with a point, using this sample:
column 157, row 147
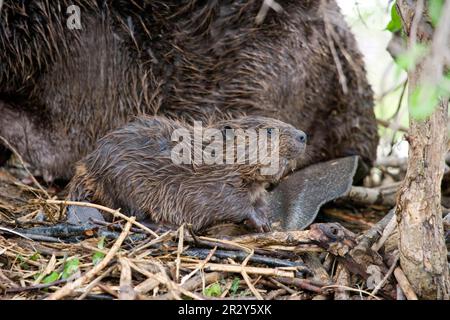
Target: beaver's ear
column 228, row 133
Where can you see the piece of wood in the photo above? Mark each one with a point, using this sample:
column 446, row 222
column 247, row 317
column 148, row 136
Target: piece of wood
column 386, row 277
column 247, row 278
column 249, row 270
column 126, row 290
column 403, row 282
column 301, row 284
column 342, row 281
column 423, row 254
column 314, row 264
column 95, row 282
column 387, row 232
column 372, row 196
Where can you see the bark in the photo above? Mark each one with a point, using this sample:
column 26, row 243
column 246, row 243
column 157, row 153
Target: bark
column 423, row 254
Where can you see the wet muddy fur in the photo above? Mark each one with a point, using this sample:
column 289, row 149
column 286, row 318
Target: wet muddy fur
column 132, row 169
column 62, row 90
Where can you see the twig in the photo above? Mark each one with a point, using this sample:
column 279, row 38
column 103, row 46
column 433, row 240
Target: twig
column 249, row 270
column 234, row 243
column 230, row 245
column 400, row 294
column 36, row 237
column 179, row 252
column 351, row 289
column 392, row 161
column 368, row 196
column 164, row 237
column 276, row 293
column 15, row 232
column 387, row 124
column 395, row 126
column 126, row 291
column 106, row 209
column 108, row 290
column 388, row 274
column 247, row 278
column 403, row 282
column 302, row 284
column 70, row 287
column 194, row 283
column 172, row 286
column 48, row 269
column 282, row 286
column 241, row 256
column 147, row 285
column 415, row 23
column 342, row 282
column 313, row 262
column 19, row 157
column 374, row 233
column 36, row 287
column 201, row 265
column 5, row 280
column 274, row 238
column 388, row 230
column 94, row 283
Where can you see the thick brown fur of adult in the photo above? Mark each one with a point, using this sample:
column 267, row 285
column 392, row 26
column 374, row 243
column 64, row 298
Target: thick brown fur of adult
column 189, row 60
column 132, row 168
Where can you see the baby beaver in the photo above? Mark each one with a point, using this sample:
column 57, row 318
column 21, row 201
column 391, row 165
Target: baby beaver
column 133, row 168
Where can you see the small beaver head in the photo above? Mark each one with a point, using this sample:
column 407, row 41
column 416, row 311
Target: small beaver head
column 274, row 143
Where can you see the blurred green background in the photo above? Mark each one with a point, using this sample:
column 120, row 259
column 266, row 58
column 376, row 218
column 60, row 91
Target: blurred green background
column 368, row 20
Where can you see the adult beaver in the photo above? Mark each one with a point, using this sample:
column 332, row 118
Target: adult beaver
column 62, row 89
column 133, row 168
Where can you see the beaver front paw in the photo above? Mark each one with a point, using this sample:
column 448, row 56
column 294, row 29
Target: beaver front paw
column 258, row 221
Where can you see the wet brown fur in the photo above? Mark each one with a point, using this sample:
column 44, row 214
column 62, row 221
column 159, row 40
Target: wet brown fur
column 61, row 90
column 132, row 169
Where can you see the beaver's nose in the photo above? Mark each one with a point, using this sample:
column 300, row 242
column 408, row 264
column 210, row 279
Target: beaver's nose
column 301, row 137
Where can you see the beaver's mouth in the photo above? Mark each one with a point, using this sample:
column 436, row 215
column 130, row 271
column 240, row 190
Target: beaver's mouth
column 296, row 153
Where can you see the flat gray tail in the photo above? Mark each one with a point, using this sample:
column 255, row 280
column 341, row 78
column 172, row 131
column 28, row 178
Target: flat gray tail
column 77, row 215
column 296, row 201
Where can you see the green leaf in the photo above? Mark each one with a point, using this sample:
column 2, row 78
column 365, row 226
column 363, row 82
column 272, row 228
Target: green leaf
column 70, row 268
column 410, row 58
column 23, row 262
column 101, row 243
column 444, row 86
column 395, row 24
column 435, row 10
column 213, row 290
column 52, row 277
column 235, row 286
column 35, row 256
column 423, row 101
column 97, row 257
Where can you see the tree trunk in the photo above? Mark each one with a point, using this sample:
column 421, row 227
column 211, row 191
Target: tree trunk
column 423, row 254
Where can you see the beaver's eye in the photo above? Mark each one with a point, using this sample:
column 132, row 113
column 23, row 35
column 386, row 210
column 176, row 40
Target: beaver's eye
column 269, row 131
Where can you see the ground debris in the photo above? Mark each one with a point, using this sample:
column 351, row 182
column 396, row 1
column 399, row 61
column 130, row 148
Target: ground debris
column 44, row 258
